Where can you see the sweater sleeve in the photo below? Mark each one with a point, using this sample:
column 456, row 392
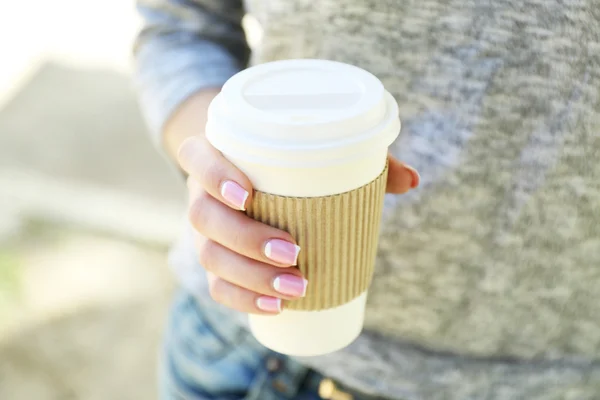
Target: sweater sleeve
column 185, row 46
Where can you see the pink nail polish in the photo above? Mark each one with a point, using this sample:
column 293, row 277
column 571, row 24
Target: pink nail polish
column 234, row 194
column 269, row 304
column 282, row 251
column 290, row 285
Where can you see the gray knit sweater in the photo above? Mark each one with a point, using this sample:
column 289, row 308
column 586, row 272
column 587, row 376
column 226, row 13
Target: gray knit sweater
column 488, row 277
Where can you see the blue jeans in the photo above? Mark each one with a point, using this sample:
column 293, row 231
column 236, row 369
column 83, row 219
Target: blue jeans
column 211, row 358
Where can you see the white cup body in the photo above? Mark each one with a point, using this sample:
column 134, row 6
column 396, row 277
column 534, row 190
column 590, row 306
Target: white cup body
column 306, row 128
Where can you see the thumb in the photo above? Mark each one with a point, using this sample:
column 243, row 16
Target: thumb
column 401, row 178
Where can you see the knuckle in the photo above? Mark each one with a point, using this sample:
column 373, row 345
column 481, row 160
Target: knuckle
column 206, row 255
column 246, row 238
column 187, row 153
column 213, row 174
column 237, row 239
column 199, row 213
column 215, row 288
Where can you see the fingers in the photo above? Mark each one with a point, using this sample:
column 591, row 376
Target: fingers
column 250, row 274
column 242, row 234
column 401, row 177
column 214, row 173
column 245, row 260
column 238, row 298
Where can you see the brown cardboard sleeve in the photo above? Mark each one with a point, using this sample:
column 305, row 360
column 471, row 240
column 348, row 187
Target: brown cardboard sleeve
column 338, row 237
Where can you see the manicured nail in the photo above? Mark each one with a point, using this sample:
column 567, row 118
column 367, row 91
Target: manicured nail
column 282, row 252
column 416, row 178
column 234, row 194
column 290, row 285
column 269, row 304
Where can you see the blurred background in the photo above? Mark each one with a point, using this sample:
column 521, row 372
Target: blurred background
column 87, row 207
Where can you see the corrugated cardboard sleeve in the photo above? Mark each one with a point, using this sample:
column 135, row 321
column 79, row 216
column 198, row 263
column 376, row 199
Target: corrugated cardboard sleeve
column 338, row 235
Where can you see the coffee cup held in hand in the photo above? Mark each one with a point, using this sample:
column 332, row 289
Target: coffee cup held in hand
column 312, row 136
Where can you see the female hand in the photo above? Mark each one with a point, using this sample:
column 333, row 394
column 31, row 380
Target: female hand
column 247, row 262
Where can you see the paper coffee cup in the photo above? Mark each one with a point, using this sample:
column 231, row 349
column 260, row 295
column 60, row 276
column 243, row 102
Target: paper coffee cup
column 312, row 136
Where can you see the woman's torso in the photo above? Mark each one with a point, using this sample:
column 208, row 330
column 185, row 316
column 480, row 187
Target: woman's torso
column 498, row 253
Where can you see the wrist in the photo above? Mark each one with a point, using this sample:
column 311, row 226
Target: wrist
column 189, row 119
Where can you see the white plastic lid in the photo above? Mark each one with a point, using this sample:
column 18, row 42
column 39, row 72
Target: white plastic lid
column 289, row 112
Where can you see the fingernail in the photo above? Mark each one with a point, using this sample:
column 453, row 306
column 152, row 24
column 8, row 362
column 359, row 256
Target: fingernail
column 269, row 304
column 290, row 285
column 282, row 252
column 416, row 178
column 234, row 194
